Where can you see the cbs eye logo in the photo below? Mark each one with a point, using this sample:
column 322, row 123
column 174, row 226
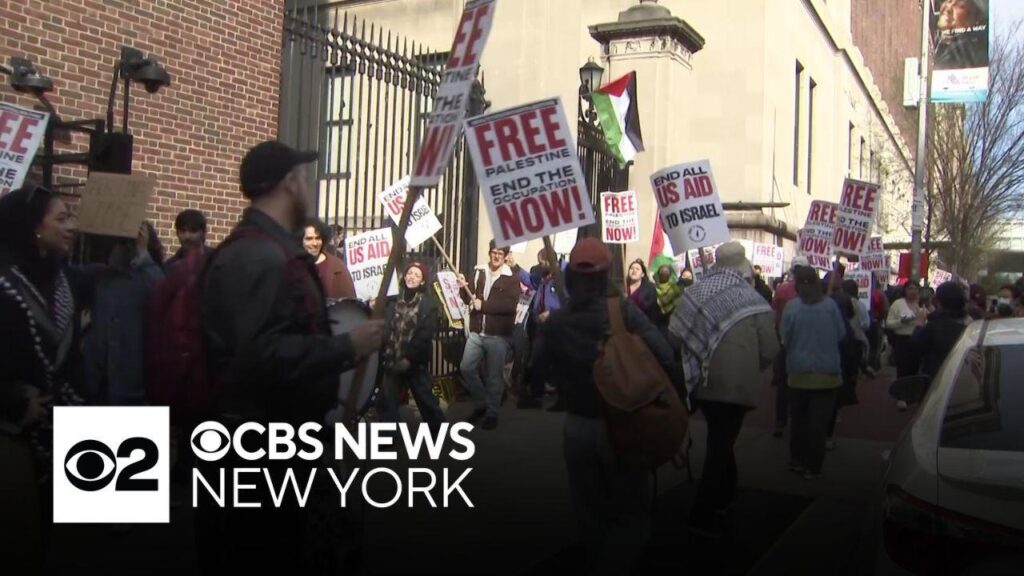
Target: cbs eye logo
column 210, row 441
column 91, row 465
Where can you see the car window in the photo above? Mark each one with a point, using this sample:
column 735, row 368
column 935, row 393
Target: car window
column 986, row 406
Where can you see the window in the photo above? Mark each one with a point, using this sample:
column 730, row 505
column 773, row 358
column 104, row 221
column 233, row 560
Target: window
column 810, row 130
column 849, row 151
column 987, row 400
column 796, row 123
column 860, row 159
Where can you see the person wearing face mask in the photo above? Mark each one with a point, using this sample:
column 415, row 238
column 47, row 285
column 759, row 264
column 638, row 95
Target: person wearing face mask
column 272, row 357
column 39, row 309
column 408, row 341
column 334, row 275
column 686, row 278
column 113, row 344
column 1005, row 303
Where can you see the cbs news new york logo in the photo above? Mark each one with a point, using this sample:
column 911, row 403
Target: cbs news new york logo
column 111, row 465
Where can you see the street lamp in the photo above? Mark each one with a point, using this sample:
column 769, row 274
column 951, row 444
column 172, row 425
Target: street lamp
column 114, row 150
column 25, row 78
column 590, row 78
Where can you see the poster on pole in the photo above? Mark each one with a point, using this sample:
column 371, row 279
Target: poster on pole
column 21, row 131
column 620, row 219
column 855, row 217
column 530, row 177
column 690, row 209
column 452, row 97
column 939, row 277
column 874, row 259
column 863, row 280
column 960, row 36
column 367, row 256
column 563, row 242
column 448, row 283
column 423, row 224
column 815, row 239
column 115, row 204
column 770, row 258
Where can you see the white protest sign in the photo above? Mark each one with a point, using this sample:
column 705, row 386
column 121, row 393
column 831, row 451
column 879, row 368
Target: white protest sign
column 770, row 258
column 518, row 248
column 21, row 131
column 620, row 219
column 563, row 242
column 367, row 256
column 939, row 277
column 863, row 280
column 874, row 258
column 530, row 177
column 453, row 94
column 815, row 239
column 453, row 303
column 690, row 209
column 709, row 251
column 423, row 224
column 855, row 217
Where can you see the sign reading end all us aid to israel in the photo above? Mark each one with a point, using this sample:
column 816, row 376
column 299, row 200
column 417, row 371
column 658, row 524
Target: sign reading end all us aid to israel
column 690, row 209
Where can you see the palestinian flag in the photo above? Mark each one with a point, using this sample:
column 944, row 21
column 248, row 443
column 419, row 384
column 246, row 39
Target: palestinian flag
column 661, row 249
column 616, row 107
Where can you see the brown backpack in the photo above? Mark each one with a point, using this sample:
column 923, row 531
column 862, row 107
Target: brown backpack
column 646, row 420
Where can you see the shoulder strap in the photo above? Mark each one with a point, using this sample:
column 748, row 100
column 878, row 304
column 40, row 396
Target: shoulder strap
column 617, row 325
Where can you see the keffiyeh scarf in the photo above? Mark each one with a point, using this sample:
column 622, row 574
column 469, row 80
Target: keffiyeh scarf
column 707, row 311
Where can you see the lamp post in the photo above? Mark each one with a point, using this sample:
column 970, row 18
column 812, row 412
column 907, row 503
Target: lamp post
column 590, row 80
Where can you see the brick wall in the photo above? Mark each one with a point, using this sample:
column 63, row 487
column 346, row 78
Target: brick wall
column 887, row 32
column 224, row 61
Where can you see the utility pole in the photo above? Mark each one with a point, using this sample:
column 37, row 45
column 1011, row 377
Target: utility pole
column 918, row 206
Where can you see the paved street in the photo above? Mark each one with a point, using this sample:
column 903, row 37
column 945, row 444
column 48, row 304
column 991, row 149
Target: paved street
column 781, row 523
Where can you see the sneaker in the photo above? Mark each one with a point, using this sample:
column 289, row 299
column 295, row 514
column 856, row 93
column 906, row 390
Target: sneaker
column 528, row 403
column 477, row 414
column 901, row 406
column 490, row 423
column 830, row 444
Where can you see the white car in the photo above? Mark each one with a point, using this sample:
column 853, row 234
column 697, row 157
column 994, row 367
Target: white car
column 954, row 487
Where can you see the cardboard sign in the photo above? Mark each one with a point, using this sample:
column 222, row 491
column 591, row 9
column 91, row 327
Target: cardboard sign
column 449, row 285
column 815, row 239
column 367, row 256
column 855, row 217
column 863, row 280
column 423, row 224
column 691, row 211
column 452, row 97
column 620, row 219
column 770, row 258
column 21, row 131
column 530, row 177
column 874, row 259
column 115, row 204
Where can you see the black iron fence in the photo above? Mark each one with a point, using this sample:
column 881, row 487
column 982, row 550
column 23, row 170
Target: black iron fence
column 361, row 96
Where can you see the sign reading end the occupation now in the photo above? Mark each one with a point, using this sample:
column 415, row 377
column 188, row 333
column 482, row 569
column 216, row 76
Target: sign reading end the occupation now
column 530, row 177
column 688, row 204
column 855, row 217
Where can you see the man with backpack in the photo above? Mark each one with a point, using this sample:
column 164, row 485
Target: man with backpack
column 613, row 500
column 728, row 338
column 271, row 356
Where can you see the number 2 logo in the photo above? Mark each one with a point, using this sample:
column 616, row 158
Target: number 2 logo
column 91, row 465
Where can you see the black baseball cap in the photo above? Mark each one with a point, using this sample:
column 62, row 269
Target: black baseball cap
column 267, row 163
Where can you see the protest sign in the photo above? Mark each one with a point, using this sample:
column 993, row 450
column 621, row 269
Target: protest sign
column 815, row 239
column 863, row 280
column 696, row 263
column 114, row 204
column 453, row 95
column 874, row 258
column 620, row 221
column 530, row 177
column 367, row 256
column 564, row 242
column 448, row 283
column 770, row 258
column 423, row 224
column 518, row 248
column 690, row 209
column 855, row 217
column 939, row 277
column 21, row 131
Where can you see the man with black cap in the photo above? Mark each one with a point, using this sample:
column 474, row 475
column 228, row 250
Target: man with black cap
column 270, row 351
column 495, row 295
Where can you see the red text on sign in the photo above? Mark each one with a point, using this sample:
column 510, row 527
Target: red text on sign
column 860, row 197
column 530, row 132
column 619, row 204
column 16, row 131
column 466, row 47
column 533, row 214
column 821, row 212
column 435, row 143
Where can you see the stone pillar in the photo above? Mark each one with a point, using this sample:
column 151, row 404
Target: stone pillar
column 648, row 39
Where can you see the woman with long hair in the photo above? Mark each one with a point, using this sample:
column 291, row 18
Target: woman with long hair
column 38, row 313
column 334, row 275
column 639, row 288
column 904, row 315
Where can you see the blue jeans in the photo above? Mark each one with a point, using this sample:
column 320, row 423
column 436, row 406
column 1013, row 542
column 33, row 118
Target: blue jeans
column 492, row 350
column 417, row 380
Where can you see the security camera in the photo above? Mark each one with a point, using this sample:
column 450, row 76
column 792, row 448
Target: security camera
column 25, row 77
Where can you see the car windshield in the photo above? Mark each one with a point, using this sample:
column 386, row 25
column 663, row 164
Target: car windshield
column 986, row 407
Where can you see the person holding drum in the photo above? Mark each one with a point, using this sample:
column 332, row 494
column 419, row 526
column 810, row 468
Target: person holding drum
column 412, row 321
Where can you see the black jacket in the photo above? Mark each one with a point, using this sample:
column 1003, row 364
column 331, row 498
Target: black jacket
column 935, row 340
column 567, row 348
column 417, row 350
column 265, row 325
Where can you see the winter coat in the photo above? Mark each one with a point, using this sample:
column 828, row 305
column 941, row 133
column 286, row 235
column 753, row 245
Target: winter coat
column 747, row 349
